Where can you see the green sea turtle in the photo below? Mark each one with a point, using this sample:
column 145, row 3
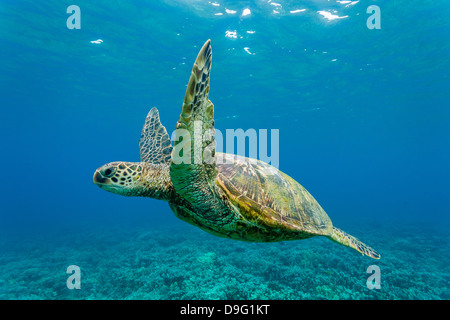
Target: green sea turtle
column 238, row 198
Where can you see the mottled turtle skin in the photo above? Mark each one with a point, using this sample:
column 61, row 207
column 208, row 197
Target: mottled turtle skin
column 226, row 195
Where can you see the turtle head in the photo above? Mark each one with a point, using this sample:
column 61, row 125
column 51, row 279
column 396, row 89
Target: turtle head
column 124, row 178
column 139, row 179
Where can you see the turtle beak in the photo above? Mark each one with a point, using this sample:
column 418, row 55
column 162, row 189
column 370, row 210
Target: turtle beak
column 99, row 179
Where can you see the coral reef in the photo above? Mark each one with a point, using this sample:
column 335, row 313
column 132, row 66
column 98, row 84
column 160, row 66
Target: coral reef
column 182, row 262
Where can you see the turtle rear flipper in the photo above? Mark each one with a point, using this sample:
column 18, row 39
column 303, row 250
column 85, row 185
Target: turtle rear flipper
column 347, row 240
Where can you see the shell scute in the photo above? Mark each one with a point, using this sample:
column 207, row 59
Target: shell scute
column 268, row 197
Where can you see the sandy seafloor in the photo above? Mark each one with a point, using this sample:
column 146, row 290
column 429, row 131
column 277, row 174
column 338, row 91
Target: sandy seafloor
column 182, row 262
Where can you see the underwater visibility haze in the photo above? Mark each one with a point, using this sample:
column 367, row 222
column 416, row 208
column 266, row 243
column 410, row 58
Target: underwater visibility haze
column 353, row 96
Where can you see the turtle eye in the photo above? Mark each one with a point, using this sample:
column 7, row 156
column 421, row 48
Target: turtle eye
column 109, row 172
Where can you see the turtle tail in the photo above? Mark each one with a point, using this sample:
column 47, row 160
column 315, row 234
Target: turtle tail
column 347, row 240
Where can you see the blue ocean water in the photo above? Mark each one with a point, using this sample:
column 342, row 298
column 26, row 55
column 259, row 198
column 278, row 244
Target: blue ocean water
column 363, row 118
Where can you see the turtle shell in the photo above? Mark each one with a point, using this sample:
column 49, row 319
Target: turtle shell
column 268, row 197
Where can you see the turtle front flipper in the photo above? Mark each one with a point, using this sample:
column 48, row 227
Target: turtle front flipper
column 154, row 144
column 193, row 168
column 347, row 240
